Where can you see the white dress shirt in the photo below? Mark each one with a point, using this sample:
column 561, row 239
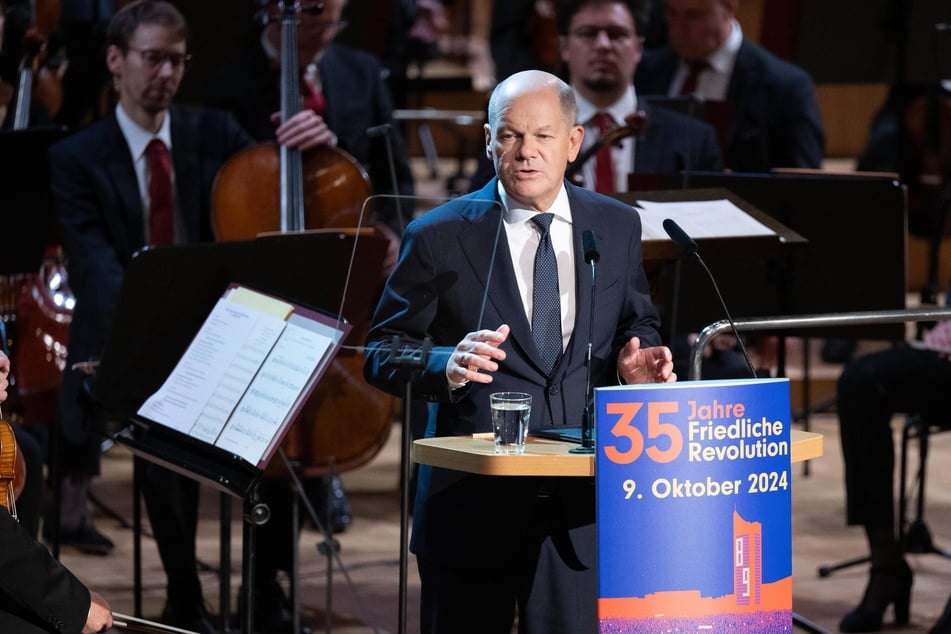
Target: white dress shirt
column 713, row 82
column 622, row 155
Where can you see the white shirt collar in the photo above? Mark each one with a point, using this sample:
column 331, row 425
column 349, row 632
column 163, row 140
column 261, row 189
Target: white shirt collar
column 138, row 137
column 722, row 59
column 515, row 213
column 619, row 110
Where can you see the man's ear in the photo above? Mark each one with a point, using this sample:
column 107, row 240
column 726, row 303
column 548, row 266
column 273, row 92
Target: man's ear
column 114, row 60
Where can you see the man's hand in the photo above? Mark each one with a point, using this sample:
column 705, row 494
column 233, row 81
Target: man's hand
column 477, row 351
column 100, row 614
column 303, row 131
column 645, row 365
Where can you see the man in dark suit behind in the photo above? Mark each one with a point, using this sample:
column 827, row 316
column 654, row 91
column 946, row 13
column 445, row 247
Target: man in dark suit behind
column 775, row 122
column 601, row 47
column 101, row 181
column 487, row 546
column 38, row 594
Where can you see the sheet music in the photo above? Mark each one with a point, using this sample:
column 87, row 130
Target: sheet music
column 199, row 394
column 245, row 374
column 274, row 391
column 699, row 219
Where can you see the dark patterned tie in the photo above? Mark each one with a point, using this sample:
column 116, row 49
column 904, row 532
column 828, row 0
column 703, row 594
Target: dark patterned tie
column 694, row 68
column 161, row 197
column 546, row 301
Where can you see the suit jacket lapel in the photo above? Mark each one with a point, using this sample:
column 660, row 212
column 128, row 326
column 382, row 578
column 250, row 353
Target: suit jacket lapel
column 503, row 288
column 187, row 174
column 646, row 147
column 579, row 224
column 120, row 168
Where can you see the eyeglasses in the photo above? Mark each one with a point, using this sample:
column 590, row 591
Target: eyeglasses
column 155, row 59
column 618, row 35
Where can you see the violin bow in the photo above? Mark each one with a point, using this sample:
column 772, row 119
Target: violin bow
column 133, row 624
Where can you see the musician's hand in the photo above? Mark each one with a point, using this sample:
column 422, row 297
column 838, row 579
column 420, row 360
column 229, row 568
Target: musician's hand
column 303, row 131
column 477, row 351
column 4, row 373
column 100, row 614
column 645, row 365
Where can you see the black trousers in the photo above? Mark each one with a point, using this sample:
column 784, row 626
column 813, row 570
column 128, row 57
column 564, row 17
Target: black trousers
column 871, row 390
column 550, row 582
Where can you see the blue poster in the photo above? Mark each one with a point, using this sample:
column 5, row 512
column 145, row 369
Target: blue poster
column 694, row 507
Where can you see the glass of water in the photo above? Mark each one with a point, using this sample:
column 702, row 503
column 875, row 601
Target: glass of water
column 511, row 412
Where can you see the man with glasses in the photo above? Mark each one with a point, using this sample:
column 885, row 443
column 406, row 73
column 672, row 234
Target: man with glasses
column 142, row 175
column 601, row 46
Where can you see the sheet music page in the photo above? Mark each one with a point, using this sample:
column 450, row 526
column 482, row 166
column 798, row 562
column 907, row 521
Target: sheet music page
column 274, row 391
column 699, row 219
column 204, row 387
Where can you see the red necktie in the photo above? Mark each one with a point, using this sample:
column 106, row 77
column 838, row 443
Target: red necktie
column 694, row 68
column 603, row 163
column 161, row 197
column 313, row 98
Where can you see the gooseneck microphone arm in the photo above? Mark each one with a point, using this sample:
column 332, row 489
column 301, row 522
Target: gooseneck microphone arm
column 591, row 256
column 688, row 247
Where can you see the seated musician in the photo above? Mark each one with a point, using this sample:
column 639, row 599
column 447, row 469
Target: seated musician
column 776, row 120
column 38, row 595
column 346, row 88
column 872, row 389
column 601, row 46
column 141, row 175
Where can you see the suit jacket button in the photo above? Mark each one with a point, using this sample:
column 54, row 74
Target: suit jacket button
column 553, row 390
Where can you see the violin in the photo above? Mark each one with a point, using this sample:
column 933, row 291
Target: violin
column 12, row 468
column 634, row 125
column 269, row 188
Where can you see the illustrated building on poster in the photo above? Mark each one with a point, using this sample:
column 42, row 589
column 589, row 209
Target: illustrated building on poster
column 747, row 561
column 694, row 507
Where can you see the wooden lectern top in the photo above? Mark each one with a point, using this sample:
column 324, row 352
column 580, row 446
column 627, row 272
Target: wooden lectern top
column 543, row 457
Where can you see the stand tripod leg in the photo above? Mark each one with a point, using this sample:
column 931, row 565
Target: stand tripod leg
column 805, row 624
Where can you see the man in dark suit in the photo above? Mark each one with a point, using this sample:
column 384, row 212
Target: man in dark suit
column 487, row 546
column 775, row 120
column 37, row 594
column 600, row 44
column 102, row 180
column 346, row 87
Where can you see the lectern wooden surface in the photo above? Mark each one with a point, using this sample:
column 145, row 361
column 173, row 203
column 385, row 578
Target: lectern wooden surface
column 542, row 457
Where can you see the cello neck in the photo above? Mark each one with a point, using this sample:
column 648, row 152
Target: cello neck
column 292, row 173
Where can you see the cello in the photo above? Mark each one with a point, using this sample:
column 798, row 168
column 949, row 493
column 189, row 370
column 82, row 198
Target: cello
column 269, row 188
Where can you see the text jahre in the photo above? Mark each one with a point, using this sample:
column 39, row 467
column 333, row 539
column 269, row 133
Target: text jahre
column 715, row 410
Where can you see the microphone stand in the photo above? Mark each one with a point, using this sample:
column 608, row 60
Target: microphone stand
column 587, row 419
column 410, row 359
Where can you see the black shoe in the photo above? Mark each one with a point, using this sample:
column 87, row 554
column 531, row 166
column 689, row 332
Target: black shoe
column 272, row 611
column 86, row 539
column 943, row 624
column 194, row 619
column 330, row 502
column 885, row 587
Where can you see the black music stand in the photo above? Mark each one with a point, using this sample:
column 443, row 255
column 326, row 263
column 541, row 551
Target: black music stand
column 166, row 295
column 855, row 228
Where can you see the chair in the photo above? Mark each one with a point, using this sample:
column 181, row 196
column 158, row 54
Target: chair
column 914, row 534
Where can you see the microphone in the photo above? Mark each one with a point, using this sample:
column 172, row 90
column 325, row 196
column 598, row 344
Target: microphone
column 688, row 247
column 591, row 256
column 378, row 130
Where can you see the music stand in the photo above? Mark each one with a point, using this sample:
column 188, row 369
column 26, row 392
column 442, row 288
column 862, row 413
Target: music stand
column 166, row 295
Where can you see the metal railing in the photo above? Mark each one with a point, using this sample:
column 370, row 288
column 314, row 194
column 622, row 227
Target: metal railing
column 860, row 318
